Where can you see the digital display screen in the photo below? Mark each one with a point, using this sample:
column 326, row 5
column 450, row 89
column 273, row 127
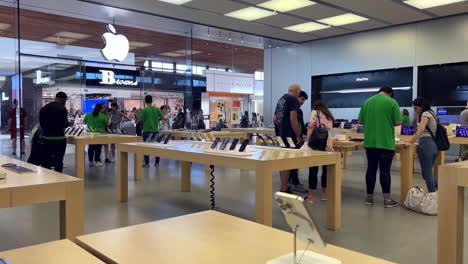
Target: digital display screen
column 88, row 104
column 354, row 121
column 407, row 130
column 462, row 131
column 441, row 111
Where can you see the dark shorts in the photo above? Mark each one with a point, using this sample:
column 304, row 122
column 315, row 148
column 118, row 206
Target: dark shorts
column 14, row 133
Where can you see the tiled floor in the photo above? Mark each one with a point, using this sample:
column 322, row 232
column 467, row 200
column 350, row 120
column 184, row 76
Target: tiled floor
column 394, row 234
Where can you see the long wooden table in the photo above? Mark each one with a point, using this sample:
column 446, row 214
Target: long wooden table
column 42, row 186
column 180, row 134
column 453, row 180
column 250, row 131
column 263, row 162
column 92, row 139
column 57, row 252
column 204, row 238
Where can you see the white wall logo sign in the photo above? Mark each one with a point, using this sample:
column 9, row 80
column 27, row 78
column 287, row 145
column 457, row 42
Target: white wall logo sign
column 362, row 79
column 116, row 46
column 108, row 77
column 40, row 79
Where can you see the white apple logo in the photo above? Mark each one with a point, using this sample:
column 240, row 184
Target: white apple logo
column 116, row 46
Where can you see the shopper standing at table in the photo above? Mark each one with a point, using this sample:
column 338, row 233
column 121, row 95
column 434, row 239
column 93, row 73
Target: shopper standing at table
column 13, row 129
column 98, row 120
column 320, row 116
column 379, row 114
column 406, row 119
column 116, row 118
column 150, row 115
column 295, row 183
column 53, row 118
column 427, row 149
column 244, row 123
column 287, row 125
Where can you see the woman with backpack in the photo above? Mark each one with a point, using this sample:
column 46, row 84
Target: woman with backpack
column 425, row 135
column 321, row 120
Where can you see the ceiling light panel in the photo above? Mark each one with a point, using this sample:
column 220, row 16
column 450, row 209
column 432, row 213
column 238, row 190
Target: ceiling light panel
column 423, row 4
column 188, row 52
column 72, row 35
column 171, row 54
column 176, row 2
column 306, row 27
column 343, row 19
column 250, row 13
column 4, row 26
column 286, row 5
column 137, row 44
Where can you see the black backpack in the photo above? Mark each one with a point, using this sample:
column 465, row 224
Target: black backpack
column 440, row 138
column 319, row 137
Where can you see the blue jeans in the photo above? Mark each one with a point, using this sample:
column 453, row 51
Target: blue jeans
column 146, row 135
column 428, row 152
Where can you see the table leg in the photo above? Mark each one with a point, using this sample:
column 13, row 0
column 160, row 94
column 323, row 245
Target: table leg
column 186, row 178
column 263, row 196
column 79, row 159
column 72, row 211
column 450, row 219
column 406, row 174
column 439, row 161
column 344, row 159
column 334, row 197
column 122, row 176
column 138, row 170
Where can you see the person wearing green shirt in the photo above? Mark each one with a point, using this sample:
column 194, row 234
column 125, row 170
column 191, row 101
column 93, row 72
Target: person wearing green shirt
column 150, row 115
column 380, row 114
column 98, row 120
column 406, row 120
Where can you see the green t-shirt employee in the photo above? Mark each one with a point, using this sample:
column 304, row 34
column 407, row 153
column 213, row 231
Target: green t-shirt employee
column 97, row 120
column 380, row 114
column 150, row 116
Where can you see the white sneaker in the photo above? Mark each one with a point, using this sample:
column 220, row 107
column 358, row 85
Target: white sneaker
column 97, row 164
column 91, row 164
column 112, row 160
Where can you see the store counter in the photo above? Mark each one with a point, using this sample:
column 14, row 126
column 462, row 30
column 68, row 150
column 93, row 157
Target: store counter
column 263, row 161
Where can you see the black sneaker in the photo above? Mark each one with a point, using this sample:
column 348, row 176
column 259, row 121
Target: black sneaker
column 288, row 190
column 13, row 155
column 369, row 200
column 107, row 161
column 388, row 203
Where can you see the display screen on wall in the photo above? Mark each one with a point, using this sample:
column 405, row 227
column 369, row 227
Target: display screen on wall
column 88, row 104
column 350, row 90
column 444, row 85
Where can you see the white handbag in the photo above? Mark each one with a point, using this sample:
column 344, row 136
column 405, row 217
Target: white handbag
column 420, row 201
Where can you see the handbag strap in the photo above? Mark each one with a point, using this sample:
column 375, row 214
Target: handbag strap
column 427, row 126
column 318, row 117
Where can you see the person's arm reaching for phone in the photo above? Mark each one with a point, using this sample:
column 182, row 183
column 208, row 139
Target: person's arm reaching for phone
column 398, row 118
column 295, row 126
column 422, row 126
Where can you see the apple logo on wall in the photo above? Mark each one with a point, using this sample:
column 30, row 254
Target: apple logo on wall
column 116, row 46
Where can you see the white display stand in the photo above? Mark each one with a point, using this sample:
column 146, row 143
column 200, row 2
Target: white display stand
column 308, row 258
column 277, row 148
column 228, row 153
column 159, row 145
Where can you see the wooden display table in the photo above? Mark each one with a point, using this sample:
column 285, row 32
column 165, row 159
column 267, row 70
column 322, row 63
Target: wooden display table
column 92, row 139
column 208, row 237
column 452, row 183
column 345, row 147
column 57, row 252
column 42, row 186
column 263, row 162
column 250, row 131
column 343, row 130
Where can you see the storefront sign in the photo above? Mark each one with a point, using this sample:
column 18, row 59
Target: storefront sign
column 362, row 79
column 112, row 77
column 229, row 82
column 117, row 46
column 40, row 79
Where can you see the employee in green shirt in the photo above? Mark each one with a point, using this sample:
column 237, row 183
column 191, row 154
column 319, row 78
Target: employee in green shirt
column 406, row 120
column 150, row 115
column 379, row 114
column 98, row 120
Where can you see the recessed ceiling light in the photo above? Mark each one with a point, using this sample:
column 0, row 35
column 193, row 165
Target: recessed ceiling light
column 250, row 13
column 306, row 27
column 72, row 35
column 137, row 44
column 187, row 52
column 286, row 5
column 423, row 4
column 176, row 2
column 343, row 19
column 4, row 26
column 60, row 40
column 171, row 54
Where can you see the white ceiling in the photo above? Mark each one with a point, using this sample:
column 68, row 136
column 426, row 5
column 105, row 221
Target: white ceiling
column 381, row 13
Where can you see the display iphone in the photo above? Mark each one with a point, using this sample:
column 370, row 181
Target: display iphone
column 215, row 143
column 167, row 139
column 224, row 144
column 160, row 138
column 271, row 141
column 234, row 144
column 72, row 131
column 262, row 140
column 66, row 130
column 291, row 142
column 281, row 142
column 244, row 145
column 81, row 131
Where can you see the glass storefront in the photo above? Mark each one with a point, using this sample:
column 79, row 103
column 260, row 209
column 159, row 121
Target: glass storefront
column 50, row 46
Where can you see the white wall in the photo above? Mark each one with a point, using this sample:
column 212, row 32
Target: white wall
column 431, row 42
